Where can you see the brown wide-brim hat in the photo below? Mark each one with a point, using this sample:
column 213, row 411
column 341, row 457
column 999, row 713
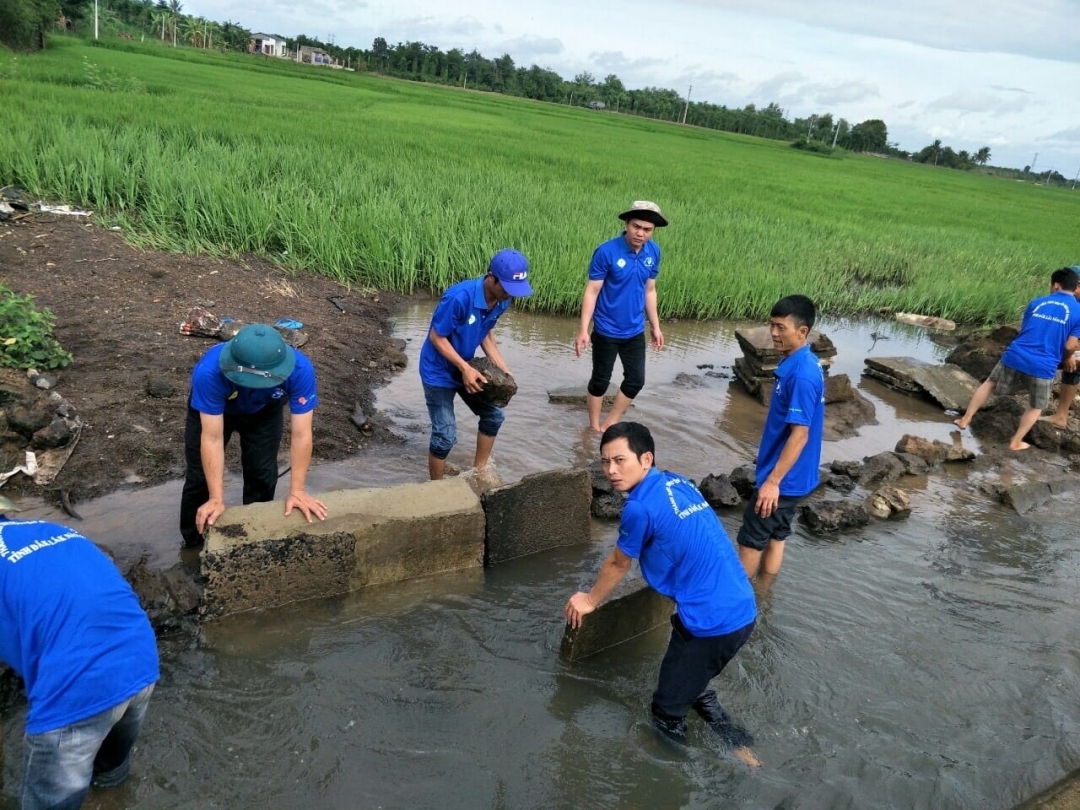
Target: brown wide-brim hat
column 647, row 211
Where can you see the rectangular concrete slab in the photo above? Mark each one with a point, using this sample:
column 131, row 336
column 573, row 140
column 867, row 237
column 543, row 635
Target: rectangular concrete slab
column 541, row 511
column 949, row 385
column 633, row 609
column 256, row 557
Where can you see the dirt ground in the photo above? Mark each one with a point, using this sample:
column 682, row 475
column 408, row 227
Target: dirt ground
column 118, row 311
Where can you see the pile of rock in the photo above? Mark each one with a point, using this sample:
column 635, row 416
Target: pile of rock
column 38, row 427
column 755, row 369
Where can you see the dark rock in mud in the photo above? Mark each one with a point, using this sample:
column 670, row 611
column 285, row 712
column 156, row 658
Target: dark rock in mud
column 359, row 418
column 844, row 418
column 880, row 469
column 29, row 420
column 933, row 451
column 607, row 505
column 500, row 386
column 1046, row 436
column 56, row 434
column 718, row 375
column 841, row 483
column 913, row 465
column 718, row 491
column 46, row 382
column 826, row 517
column 684, row 380
column 889, row 502
column 744, row 479
column 838, row 389
column 160, row 388
column 978, row 355
column 170, row 597
column 852, row 469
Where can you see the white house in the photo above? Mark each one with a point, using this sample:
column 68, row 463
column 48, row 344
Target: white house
column 267, row 45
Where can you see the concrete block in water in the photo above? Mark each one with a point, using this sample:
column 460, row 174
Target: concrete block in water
column 575, row 394
column 256, row 557
column 633, row 609
column 541, row 511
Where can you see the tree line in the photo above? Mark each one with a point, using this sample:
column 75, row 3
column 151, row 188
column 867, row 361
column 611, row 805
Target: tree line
column 25, row 22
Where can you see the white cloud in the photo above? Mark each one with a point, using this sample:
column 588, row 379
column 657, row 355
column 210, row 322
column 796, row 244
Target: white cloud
column 840, row 92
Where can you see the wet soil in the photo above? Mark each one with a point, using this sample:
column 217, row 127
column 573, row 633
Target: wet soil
column 118, row 310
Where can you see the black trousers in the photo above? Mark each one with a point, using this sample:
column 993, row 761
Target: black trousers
column 260, row 438
column 630, row 351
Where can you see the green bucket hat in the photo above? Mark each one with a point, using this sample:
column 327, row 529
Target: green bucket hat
column 257, row 357
column 7, row 506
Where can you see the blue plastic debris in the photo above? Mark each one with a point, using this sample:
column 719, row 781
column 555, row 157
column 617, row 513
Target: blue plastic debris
column 288, row 323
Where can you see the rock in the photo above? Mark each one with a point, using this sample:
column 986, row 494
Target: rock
column 852, row 469
column 359, row 419
column 1048, row 437
column 169, row 597
column 56, row 434
column 160, row 388
column 607, row 505
column 844, row 418
column 926, row 321
column 880, row 469
column 575, row 395
column 397, row 360
column 933, row 451
column 684, row 380
column 913, row 465
column 500, row 386
column 398, row 344
column 841, row 483
column 825, row 517
column 838, row 389
column 949, row 385
column 744, row 479
column 65, row 409
column 45, row 382
column 977, row 359
column 889, row 502
column 1004, row 335
column 718, row 491
column 718, row 375
column 28, row 421
column 1025, row 497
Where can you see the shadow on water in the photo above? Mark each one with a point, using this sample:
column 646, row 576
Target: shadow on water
column 928, row 663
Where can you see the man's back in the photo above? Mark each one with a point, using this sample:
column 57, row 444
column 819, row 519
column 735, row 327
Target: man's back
column 1048, row 323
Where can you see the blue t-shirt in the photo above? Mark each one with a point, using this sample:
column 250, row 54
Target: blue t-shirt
column 215, row 394
column 686, row 555
column 1048, row 323
column 72, row 626
column 620, row 307
column 798, row 399
column 464, row 318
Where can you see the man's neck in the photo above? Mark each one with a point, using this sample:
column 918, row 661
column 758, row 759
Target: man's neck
column 489, row 293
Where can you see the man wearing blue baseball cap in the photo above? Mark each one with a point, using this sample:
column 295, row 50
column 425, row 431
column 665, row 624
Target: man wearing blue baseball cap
column 462, row 323
column 242, row 387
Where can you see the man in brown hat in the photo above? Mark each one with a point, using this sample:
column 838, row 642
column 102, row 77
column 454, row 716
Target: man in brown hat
column 619, row 296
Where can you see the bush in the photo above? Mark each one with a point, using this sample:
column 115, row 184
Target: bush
column 23, row 23
column 817, row 147
column 26, row 339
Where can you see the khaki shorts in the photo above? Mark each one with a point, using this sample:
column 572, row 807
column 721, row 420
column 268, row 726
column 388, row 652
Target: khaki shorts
column 1009, row 378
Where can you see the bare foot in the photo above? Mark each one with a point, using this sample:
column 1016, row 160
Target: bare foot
column 1051, row 420
column 597, row 428
column 962, row 423
column 1019, row 446
column 747, row 756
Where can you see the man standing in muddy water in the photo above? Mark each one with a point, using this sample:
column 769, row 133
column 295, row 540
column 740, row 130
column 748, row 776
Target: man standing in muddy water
column 619, row 296
column 462, row 323
column 241, row 387
column 1049, row 336
column 685, row 554
column 790, row 450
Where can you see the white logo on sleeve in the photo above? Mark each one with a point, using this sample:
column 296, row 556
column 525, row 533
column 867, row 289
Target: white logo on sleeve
column 621, row 263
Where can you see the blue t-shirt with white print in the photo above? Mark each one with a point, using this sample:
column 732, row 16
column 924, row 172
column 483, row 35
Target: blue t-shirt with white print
column 798, row 399
column 1048, row 324
column 620, row 307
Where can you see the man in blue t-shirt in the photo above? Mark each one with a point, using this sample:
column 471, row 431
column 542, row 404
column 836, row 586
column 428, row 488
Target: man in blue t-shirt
column 1070, row 380
column 461, row 324
column 74, row 631
column 790, row 450
column 619, row 296
column 1049, row 336
column 686, row 555
column 242, row 387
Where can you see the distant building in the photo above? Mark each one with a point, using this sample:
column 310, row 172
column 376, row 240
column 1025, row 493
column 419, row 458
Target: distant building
column 268, row 45
column 315, row 56
column 597, row 105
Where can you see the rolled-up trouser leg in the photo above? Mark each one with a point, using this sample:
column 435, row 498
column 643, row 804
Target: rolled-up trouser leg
column 604, row 352
column 632, row 356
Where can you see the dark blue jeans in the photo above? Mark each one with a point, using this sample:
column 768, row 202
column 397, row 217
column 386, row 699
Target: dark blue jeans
column 440, row 405
column 689, row 664
column 59, row 766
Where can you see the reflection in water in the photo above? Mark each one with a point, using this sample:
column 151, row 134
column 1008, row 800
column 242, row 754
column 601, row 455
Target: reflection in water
column 926, row 663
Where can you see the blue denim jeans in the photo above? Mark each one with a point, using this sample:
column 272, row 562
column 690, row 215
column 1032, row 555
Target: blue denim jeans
column 440, row 405
column 59, row 766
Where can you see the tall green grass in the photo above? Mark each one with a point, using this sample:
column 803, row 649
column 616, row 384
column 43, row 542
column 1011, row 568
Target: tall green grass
column 400, row 186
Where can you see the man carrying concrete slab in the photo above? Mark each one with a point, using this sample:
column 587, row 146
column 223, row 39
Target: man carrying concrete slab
column 241, row 387
column 686, row 555
column 1049, row 336
column 462, row 323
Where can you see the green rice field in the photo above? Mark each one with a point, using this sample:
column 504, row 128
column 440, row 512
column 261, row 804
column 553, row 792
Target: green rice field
column 395, row 185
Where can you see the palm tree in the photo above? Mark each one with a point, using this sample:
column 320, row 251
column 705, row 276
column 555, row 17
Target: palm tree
column 982, row 156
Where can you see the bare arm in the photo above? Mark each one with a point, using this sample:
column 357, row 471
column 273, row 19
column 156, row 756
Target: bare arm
column 611, row 574
column 300, row 442
column 1068, row 361
column 651, row 314
column 212, row 454
column 491, row 351
column 588, row 307
column 769, row 493
column 474, row 381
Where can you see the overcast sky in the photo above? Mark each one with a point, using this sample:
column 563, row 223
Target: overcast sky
column 999, row 73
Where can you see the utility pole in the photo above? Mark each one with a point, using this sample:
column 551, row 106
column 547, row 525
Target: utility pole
column 686, row 106
column 1076, row 178
column 835, row 134
column 1034, row 160
column 95, row 18
column 810, row 128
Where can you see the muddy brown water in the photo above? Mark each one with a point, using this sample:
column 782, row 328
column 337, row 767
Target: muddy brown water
column 925, row 664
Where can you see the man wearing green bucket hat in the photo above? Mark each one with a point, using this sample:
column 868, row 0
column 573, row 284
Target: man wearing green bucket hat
column 242, row 387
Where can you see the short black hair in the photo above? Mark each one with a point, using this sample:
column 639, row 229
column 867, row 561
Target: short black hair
column 636, row 434
column 799, row 307
column 1065, row 278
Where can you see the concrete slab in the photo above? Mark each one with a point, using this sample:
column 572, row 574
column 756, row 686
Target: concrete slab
column 756, row 343
column 575, row 394
column 1065, row 795
column 256, row 557
column 541, row 511
column 633, row 609
column 948, row 385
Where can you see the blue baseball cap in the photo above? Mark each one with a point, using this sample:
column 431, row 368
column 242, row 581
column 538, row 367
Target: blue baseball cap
column 511, row 268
